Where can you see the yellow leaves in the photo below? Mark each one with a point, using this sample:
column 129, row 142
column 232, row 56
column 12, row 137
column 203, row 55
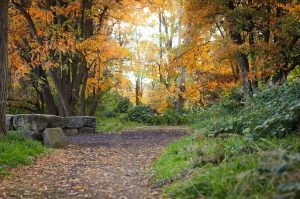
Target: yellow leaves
column 159, row 99
column 72, row 8
column 17, row 65
column 103, row 48
column 192, row 92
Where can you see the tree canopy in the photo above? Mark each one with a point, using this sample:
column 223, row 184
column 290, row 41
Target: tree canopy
column 64, row 54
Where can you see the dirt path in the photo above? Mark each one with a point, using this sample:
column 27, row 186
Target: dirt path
column 93, row 166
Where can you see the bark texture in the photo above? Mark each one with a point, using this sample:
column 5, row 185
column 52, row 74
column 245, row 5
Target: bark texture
column 3, row 62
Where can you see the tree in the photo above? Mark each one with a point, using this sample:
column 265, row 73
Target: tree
column 3, row 62
column 65, row 48
column 257, row 39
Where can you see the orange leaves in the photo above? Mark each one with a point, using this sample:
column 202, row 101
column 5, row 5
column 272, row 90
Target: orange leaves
column 72, row 8
column 41, row 16
column 103, row 48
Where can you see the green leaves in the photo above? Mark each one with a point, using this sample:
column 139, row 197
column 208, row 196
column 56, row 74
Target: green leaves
column 273, row 111
column 289, row 186
column 140, row 113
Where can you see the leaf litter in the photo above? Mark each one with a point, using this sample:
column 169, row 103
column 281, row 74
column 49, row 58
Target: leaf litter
column 93, row 166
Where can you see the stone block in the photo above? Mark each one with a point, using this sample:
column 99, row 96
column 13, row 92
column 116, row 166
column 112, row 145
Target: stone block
column 36, row 122
column 9, row 122
column 70, row 131
column 87, row 130
column 54, row 137
column 89, row 121
column 54, row 121
column 73, row 122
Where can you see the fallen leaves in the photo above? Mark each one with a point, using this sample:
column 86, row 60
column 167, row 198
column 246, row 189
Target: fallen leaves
column 101, row 166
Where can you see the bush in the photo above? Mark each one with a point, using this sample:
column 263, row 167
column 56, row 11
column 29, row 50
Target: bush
column 109, row 114
column 123, row 106
column 273, row 111
column 140, row 113
column 170, row 117
column 234, row 100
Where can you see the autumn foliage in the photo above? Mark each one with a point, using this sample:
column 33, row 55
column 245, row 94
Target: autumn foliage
column 63, row 55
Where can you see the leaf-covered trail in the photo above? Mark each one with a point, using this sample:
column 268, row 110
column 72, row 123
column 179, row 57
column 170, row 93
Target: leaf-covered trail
column 93, row 166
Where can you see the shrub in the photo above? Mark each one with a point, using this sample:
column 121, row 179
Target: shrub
column 273, row 111
column 109, row 114
column 140, row 113
column 170, row 117
column 123, row 106
column 234, row 100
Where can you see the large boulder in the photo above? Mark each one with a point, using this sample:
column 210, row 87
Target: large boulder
column 54, row 137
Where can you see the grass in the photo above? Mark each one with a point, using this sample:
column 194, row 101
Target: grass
column 227, row 168
column 114, row 124
column 240, row 149
column 16, row 149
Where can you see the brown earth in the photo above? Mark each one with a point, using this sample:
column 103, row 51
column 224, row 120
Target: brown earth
column 94, row 166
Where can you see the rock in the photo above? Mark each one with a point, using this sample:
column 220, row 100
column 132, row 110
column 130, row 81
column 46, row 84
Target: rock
column 36, row 122
column 70, row 131
column 54, row 121
column 89, row 121
column 9, row 122
column 73, row 122
column 87, row 130
column 54, row 137
column 79, row 122
column 32, row 122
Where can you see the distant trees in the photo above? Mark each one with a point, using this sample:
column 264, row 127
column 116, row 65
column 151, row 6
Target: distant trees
column 259, row 40
column 71, row 52
column 3, row 62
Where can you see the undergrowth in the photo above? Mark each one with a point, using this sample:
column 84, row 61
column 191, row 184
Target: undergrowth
column 240, row 149
column 273, row 111
column 230, row 168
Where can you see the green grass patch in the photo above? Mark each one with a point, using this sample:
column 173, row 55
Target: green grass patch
column 228, row 168
column 16, row 149
column 115, row 124
column 242, row 148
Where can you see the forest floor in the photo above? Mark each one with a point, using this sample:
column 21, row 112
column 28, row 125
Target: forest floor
column 94, row 166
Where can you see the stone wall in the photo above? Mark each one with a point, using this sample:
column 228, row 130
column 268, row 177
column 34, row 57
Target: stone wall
column 34, row 124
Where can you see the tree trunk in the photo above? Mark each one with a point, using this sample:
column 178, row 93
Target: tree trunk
column 46, row 92
column 3, row 62
column 254, row 80
column 82, row 93
column 48, row 99
column 61, row 93
column 160, row 49
column 138, row 90
column 244, row 68
column 182, row 70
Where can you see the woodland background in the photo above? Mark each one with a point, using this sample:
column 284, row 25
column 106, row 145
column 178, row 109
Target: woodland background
column 65, row 55
column 226, row 69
